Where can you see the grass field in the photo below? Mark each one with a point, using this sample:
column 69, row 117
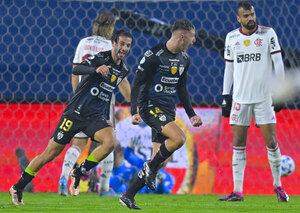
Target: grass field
column 51, row 202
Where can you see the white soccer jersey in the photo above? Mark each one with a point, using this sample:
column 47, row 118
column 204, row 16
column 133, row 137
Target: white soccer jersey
column 90, row 46
column 251, row 55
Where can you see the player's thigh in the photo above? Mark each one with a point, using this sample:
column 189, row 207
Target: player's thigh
column 263, row 113
column 239, row 135
column 156, row 117
column 269, row 133
column 101, row 131
column 174, row 132
column 241, row 114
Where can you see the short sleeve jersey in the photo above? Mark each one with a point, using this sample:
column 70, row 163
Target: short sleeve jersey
column 90, row 46
column 94, row 91
column 251, row 55
column 164, row 70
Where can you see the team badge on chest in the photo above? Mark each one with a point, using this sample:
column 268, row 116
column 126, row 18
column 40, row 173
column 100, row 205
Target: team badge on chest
column 247, row 43
column 173, row 70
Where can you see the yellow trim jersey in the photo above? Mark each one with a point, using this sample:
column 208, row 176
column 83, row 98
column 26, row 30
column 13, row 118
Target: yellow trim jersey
column 251, row 55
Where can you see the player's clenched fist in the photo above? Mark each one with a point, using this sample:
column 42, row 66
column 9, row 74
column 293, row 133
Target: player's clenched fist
column 196, row 121
column 226, row 106
column 103, row 70
column 136, row 119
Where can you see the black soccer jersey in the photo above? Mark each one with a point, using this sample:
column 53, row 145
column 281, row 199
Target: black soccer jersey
column 94, row 91
column 160, row 75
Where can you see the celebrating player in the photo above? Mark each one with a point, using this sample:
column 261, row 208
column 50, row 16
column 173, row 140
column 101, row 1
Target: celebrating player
column 161, row 74
column 99, row 41
column 250, row 53
column 85, row 112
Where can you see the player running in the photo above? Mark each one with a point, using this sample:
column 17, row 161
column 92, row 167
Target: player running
column 161, row 74
column 85, row 112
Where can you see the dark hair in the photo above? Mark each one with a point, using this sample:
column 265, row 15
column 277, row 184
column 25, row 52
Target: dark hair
column 246, row 5
column 103, row 24
column 119, row 33
column 182, row 25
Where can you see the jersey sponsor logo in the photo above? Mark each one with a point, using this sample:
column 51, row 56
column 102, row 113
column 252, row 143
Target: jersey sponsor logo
column 246, row 43
column 107, row 87
column 169, row 80
column 273, row 44
column 103, row 96
column 143, row 60
column 148, row 53
column 173, row 70
column 181, row 69
column 169, row 90
column 258, row 42
column 227, row 50
column 159, row 52
column 113, row 78
column 248, row 57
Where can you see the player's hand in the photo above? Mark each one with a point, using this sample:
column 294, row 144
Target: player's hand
column 136, row 119
column 226, row 105
column 103, row 70
column 196, row 121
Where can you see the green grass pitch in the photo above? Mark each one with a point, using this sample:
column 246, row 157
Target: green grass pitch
column 51, row 202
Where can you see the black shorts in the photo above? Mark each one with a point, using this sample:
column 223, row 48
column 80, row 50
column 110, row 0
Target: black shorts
column 68, row 126
column 156, row 116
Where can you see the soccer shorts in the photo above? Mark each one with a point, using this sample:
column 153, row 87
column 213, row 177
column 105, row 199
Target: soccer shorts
column 156, row 116
column 68, row 126
column 262, row 112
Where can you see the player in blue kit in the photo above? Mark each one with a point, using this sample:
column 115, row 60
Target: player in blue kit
column 86, row 112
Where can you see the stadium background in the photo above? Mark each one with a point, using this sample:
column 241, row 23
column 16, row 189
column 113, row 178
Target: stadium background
column 38, row 41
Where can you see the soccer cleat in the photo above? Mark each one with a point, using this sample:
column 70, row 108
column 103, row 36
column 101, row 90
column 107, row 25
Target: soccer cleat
column 74, row 187
column 234, row 196
column 63, row 187
column 16, row 196
column 150, row 176
column 129, row 202
column 109, row 193
column 281, row 195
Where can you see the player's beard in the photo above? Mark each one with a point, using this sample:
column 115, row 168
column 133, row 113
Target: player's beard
column 250, row 25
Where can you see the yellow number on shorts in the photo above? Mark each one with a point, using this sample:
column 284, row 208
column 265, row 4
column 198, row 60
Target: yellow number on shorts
column 66, row 125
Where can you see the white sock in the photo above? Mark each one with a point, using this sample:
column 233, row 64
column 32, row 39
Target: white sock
column 274, row 157
column 107, row 165
column 238, row 167
column 70, row 159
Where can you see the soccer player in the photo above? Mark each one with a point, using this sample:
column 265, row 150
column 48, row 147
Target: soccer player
column 85, row 112
column 161, row 74
column 99, row 41
column 250, row 53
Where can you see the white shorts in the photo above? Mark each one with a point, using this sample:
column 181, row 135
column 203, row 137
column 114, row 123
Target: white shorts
column 81, row 135
column 263, row 113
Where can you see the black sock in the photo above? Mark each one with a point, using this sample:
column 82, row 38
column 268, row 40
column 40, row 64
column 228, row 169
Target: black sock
column 136, row 184
column 23, row 181
column 85, row 167
column 160, row 157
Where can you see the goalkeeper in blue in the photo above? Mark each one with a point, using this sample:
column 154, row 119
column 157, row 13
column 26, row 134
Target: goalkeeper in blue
column 250, row 54
column 86, row 112
column 161, row 74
